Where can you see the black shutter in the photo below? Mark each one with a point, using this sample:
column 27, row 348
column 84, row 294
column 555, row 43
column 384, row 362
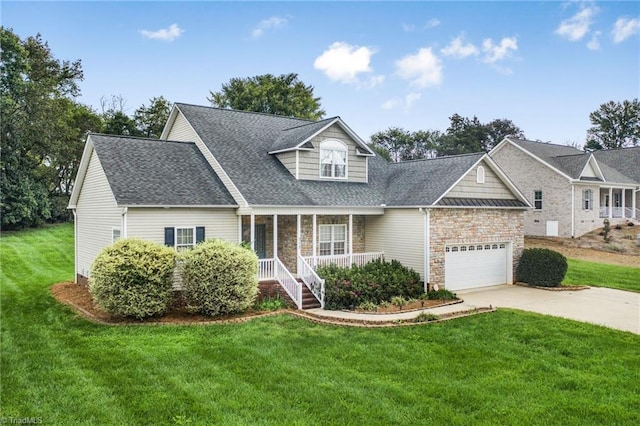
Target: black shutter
column 169, row 239
column 199, row 234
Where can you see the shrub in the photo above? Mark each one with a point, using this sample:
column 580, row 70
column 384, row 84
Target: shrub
column 375, row 282
column 542, row 267
column 272, row 303
column 399, row 301
column 440, row 294
column 425, row 317
column 133, row 278
column 220, row 277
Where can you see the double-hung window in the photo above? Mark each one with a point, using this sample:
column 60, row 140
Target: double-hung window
column 537, row 200
column 587, row 199
column 115, row 234
column 183, row 238
column 333, row 239
column 333, row 159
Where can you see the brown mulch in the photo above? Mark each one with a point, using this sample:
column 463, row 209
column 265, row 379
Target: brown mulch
column 559, row 288
column 409, row 307
column 78, row 297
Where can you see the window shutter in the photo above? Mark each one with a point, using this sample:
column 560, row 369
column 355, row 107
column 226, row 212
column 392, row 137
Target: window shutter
column 169, row 239
column 199, row 234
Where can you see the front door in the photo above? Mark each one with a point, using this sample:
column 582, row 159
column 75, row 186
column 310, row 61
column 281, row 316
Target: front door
column 261, row 241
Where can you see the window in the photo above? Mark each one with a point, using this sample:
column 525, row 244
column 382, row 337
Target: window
column 183, row 238
column 115, row 234
column 587, row 199
column 333, row 239
column 537, row 200
column 333, row 159
column 480, row 174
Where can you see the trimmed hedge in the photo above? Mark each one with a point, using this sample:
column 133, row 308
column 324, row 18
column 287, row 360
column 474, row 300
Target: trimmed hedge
column 219, row 277
column 541, row 267
column 375, row 282
column 133, row 278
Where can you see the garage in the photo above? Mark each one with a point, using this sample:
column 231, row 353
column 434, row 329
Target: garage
column 476, row 265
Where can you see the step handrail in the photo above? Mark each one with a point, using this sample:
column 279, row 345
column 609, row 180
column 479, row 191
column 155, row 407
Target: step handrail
column 288, row 282
column 311, row 279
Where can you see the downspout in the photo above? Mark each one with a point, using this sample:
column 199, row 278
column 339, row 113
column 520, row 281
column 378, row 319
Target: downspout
column 427, row 247
column 573, row 210
column 75, row 245
column 124, row 221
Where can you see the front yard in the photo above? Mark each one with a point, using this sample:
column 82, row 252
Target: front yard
column 507, row 367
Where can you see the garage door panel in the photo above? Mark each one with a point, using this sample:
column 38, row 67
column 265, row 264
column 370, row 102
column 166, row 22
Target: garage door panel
column 477, row 265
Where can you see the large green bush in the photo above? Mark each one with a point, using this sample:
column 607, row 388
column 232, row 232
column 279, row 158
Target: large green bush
column 219, row 277
column 374, row 282
column 133, row 278
column 541, row 267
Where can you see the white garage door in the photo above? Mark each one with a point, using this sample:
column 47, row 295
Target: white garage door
column 475, row 265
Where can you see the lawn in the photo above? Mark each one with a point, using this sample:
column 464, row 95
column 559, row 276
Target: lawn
column 602, row 275
column 507, row 367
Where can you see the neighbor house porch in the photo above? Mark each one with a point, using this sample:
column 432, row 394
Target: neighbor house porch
column 619, row 203
column 291, row 247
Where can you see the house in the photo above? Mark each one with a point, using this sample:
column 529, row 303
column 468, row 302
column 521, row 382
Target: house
column 302, row 193
column 572, row 192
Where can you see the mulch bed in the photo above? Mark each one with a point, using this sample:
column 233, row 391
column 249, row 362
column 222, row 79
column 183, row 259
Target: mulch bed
column 559, row 288
column 79, row 298
column 409, row 307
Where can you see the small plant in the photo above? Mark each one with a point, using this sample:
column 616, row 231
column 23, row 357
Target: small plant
column 606, row 229
column 425, row 317
column 368, row 306
column 542, row 267
column 441, row 294
column 631, row 223
column 272, row 303
column 618, row 226
column 628, row 237
column 616, row 248
column 399, row 301
column 384, row 304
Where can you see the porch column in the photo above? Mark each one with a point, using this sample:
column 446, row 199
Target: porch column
column 275, row 236
column 624, row 205
column 633, row 204
column 611, row 203
column 298, row 235
column 314, row 238
column 253, row 232
column 351, row 239
column 239, row 228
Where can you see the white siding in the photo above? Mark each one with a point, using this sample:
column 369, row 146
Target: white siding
column 493, row 187
column 400, row 235
column 96, row 215
column 149, row 223
column 288, row 159
column 181, row 130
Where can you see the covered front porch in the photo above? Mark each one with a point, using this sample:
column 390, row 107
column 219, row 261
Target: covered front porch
column 619, row 203
column 291, row 247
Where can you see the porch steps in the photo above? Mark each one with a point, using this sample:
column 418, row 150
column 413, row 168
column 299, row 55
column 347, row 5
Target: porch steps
column 309, row 301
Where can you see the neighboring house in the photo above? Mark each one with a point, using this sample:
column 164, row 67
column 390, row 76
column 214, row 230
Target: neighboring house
column 302, row 193
column 572, row 192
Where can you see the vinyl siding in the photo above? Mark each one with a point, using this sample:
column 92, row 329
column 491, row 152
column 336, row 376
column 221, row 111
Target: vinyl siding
column 493, row 187
column 149, row 223
column 181, row 130
column 96, row 215
column 400, row 235
column 309, row 162
column 288, row 159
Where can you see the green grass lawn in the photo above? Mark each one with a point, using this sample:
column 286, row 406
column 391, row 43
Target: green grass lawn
column 582, row 272
column 507, row 367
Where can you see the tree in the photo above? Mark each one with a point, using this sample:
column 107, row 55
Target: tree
column 397, row 144
column 35, row 93
column 499, row 129
column 116, row 121
column 281, row 95
column 615, row 125
column 150, row 120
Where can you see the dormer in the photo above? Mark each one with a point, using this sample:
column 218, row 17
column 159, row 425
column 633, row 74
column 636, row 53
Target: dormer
column 326, row 150
column 591, row 170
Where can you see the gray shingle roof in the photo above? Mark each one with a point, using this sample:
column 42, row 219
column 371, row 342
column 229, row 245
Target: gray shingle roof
column 567, row 159
column 292, row 137
column 480, row 202
column 626, row 161
column 153, row 172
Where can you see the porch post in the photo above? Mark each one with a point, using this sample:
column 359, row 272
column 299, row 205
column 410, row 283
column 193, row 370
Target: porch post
column 624, row 204
column 275, row 236
column 633, row 205
column 253, row 232
column 350, row 239
column 314, row 239
column 611, row 203
column 239, row 229
column 299, row 235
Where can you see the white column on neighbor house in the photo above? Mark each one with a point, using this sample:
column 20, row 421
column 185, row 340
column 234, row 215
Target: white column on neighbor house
column 633, row 205
column 351, row 238
column 610, row 203
column 239, row 228
column 252, row 232
column 275, row 236
column 624, row 204
column 314, row 238
column 299, row 235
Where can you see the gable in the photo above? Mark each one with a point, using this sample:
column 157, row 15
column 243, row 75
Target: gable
column 492, row 188
column 181, row 130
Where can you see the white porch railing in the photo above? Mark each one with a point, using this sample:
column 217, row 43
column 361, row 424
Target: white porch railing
column 311, row 279
column 288, row 282
column 343, row 260
column 266, row 269
column 616, row 212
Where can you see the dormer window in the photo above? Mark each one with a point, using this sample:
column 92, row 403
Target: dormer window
column 333, row 159
column 480, row 174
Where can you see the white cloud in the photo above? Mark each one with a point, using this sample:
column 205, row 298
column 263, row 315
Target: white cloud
column 408, row 28
column 625, row 28
column 494, row 53
column 165, row 34
column 405, row 103
column 432, row 23
column 272, row 23
column 594, row 43
column 576, row 27
column 344, row 63
column 424, row 69
column 458, row 49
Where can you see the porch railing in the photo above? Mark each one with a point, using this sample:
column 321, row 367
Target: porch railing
column 288, row 282
column 617, row 212
column 266, row 269
column 343, row 260
column 311, row 279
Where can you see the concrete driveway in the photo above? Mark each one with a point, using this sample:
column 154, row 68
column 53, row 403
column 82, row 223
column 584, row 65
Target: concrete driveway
column 604, row 306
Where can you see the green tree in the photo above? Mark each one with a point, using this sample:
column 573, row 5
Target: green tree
column 34, row 90
column 280, row 95
column 150, row 120
column 615, row 125
column 397, row 144
column 116, row 121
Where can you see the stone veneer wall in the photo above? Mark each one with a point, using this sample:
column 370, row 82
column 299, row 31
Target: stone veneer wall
column 451, row 226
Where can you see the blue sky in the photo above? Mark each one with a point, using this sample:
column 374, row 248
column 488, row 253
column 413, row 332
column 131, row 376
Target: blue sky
column 543, row 65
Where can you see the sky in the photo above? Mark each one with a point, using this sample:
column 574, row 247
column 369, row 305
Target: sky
column 543, row 65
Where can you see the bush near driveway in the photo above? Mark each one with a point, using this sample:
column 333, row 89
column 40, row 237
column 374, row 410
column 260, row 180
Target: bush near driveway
column 133, row 278
column 541, row 267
